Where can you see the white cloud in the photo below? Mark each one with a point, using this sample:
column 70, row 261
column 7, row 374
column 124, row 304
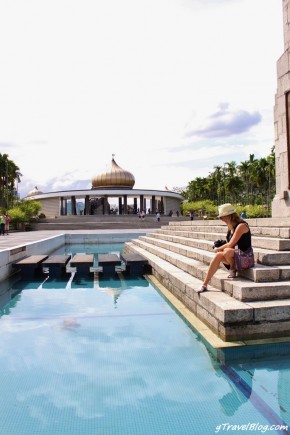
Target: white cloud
column 82, row 80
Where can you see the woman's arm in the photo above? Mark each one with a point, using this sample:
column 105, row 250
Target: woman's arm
column 240, row 230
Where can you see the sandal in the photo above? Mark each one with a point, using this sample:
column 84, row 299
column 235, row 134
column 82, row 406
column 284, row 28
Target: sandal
column 233, row 274
column 203, row 288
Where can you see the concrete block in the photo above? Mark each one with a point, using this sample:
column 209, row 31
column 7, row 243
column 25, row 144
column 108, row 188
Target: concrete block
column 284, row 272
column 226, row 309
column 206, row 317
column 264, row 291
column 273, row 258
column 269, row 311
column 261, row 273
column 254, row 331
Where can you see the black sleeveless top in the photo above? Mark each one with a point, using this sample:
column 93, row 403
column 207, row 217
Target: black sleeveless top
column 245, row 241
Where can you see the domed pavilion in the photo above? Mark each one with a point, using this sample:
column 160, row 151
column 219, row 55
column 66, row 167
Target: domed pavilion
column 114, row 185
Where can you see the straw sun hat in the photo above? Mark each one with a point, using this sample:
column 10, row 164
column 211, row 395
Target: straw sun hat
column 226, row 210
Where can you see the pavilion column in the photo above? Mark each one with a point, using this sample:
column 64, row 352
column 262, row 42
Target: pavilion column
column 125, row 204
column 120, row 206
column 61, row 206
column 161, row 205
column 106, row 205
column 87, row 205
column 73, row 205
column 141, row 202
column 135, row 205
column 153, row 204
column 64, row 206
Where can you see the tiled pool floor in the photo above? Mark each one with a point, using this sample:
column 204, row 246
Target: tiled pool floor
column 112, row 357
column 93, row 356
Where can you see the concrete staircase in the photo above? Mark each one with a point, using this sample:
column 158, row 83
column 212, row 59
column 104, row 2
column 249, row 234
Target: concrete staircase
column 102, row 222
column 255, row 305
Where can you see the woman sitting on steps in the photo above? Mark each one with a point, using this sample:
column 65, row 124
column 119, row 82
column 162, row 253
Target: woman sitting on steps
column 238, row 234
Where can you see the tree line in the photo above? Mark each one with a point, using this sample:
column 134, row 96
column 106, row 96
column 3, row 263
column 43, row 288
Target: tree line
column 251, row 182
column 9, row 179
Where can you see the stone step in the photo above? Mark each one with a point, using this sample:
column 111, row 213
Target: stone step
column 259, row 273
column 262, row 256
column 259, row 222
column 271, row 243
column 280, row 232
column 228, row 317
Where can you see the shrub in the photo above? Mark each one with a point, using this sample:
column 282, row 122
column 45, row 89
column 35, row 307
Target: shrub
column 16, row 215
column 206, row 207
column 210, row 210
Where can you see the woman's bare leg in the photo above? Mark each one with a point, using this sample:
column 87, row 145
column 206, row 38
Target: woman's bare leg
column 226, row 257
column 229, row 255
column 213, row 267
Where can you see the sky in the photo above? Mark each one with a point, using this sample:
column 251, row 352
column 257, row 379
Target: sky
column 172, row 88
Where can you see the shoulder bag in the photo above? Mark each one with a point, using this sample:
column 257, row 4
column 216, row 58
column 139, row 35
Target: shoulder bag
column 244, row 259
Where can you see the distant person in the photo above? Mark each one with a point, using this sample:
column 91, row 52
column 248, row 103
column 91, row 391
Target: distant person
column 7, row 221
column 243, row 214
column 143, row 215
column 158, row 216
column 177, row 213
column 191, row 214
column 2, row 224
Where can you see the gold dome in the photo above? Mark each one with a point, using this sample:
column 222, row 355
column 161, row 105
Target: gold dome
column 116, row 177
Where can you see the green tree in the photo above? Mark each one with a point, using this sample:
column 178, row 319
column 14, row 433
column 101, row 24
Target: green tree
column 24, row 211
column 9, row 174
column 249, row 183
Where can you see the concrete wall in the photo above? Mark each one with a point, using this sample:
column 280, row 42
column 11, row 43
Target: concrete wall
column 281, row 202
column 50, row 207
column 171, row 204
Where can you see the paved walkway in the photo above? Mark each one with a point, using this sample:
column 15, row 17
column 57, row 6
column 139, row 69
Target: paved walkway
column 15, row 239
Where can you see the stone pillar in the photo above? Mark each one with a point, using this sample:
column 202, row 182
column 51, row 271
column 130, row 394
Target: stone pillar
column 125, row 204
column 120, row 206
column 73, row 205
column 65, row 207
column 61, row 206
column 162, row 206
column 135, row 205
column 153, row 204
column 141, row 202
column 281, row 202
column 87, row 205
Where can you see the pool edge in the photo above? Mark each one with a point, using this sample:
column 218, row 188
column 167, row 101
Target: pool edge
column 208, row 335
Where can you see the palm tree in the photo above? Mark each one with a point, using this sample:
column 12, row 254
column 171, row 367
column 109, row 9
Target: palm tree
column 244, row 172
column 218, row 176
column 230, row 180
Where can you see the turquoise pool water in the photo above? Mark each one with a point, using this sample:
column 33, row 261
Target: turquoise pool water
column 94, row 356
